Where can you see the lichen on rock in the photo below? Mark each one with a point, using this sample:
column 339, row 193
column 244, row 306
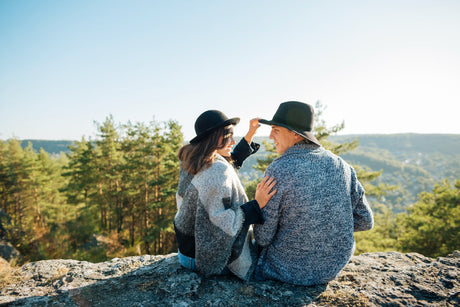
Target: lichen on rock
column 373, row 279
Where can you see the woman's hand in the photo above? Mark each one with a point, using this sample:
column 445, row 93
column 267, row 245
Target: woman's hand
column 265, row 190
column 253, row 126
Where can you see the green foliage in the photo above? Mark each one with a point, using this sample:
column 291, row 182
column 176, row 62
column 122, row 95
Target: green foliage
column 432, row 225
column 383, row 237
column 412, row 162
column 30, row 199
column 103, row 198
column 262, row 163
column 128, row 179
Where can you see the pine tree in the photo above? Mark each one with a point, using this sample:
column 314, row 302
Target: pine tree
column 169, row 176
column 109, row 161
column 82, row 171
column 130, row 174
column 138, row 171
column 17, row 172
column 31, row 200
column 150, row 176
column 432, row 225
column 16, row 191
column 5, row 178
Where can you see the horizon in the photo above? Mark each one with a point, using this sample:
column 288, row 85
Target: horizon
column 267, row 136
column 379, row 67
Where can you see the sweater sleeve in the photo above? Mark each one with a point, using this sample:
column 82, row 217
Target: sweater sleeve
column 242, row 151
column 252, row 213
column 363, row 218
column 265, row 233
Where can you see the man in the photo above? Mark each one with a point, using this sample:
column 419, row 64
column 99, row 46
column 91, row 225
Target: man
column 307, row 237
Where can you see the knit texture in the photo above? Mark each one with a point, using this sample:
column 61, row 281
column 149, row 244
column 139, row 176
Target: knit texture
column 307, row 237
column 210, row 223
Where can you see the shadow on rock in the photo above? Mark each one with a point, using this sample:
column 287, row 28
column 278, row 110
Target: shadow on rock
column 368, row 280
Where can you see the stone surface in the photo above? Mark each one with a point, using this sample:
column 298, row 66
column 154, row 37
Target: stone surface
column 8, row 252
column 376, row 279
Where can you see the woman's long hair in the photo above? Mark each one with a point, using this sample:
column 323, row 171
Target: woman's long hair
column 196, row 156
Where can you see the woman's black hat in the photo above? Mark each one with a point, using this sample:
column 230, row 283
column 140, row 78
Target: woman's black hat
column 209, row 121
column 295, row 116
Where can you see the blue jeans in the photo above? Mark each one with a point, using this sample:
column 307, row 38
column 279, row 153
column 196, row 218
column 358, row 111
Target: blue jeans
column 186, row 262
column 189, row 263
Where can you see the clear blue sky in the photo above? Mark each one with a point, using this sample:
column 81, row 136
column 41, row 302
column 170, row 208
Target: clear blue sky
column 380, row 66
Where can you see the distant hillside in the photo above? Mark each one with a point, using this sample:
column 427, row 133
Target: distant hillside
column 412, row 162
column 406, row 142
column 52, row 147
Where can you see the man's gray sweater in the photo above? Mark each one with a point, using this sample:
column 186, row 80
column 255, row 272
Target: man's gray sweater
column 307, row 237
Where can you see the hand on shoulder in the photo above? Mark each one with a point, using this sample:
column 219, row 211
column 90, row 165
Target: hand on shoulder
column 265, row 191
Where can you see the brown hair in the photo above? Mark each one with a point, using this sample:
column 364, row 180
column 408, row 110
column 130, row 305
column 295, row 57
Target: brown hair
column 196, row 156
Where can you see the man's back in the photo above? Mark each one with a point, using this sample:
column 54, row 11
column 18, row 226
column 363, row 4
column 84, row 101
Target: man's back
column 308, row 232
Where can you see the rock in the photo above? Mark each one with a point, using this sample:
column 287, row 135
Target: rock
column 375, row 279
column 4, row 266
column 8, row 252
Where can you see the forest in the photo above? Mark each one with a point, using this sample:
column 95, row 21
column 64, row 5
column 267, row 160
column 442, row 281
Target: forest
column 110, row 197
column 114, row 196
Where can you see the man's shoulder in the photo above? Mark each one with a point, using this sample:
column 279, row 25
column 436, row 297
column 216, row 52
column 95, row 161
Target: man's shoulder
column 281, row 163
column 292, row 159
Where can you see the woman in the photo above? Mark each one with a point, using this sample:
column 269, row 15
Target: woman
column 214, row 214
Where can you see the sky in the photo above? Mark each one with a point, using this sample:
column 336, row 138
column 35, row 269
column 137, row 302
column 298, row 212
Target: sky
column 378, row 66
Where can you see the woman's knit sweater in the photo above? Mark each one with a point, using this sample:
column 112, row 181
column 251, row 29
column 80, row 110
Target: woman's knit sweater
column 210, row 223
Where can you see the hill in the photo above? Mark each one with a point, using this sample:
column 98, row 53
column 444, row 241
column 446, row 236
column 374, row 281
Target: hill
column 50, row 146
column 411, row 162
column 407, row 142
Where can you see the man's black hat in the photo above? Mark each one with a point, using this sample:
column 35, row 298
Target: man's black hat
column 295, row 116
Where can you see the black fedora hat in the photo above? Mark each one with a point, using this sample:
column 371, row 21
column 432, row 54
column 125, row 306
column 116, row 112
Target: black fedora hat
column 209, row 121
column 295, row 116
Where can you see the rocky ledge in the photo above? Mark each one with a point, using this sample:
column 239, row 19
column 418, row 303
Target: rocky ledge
column 376, row 279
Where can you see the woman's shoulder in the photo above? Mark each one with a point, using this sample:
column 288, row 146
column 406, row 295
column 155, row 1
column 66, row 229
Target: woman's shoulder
column 215, row 173
column 219, row 165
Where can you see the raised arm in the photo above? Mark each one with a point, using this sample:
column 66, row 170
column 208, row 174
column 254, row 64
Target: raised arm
column 253, row 126
column 246, row 146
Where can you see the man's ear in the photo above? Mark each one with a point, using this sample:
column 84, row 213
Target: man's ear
column 298, row 138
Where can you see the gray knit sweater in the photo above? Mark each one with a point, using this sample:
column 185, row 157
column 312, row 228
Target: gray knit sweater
column 307, row 237
column 209, row 222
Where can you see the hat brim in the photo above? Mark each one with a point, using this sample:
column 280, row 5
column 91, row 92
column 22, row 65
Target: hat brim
column 202, row 135
column 308, row 135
